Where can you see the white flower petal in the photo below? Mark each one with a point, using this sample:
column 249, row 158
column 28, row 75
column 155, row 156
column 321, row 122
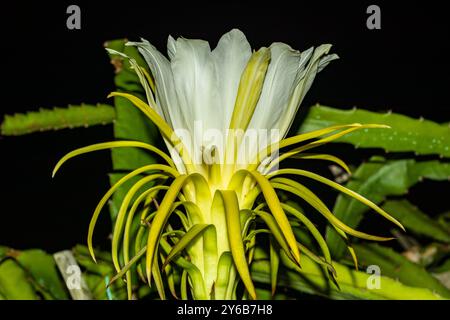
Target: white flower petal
column 201, row 85
column 230, row 58
column 166, row 97
column 194, row 78
column 139, row 73
column 278, row 87
column 171, row 47
column 307, row 73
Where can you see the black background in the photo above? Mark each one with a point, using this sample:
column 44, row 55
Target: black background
column 403, row 67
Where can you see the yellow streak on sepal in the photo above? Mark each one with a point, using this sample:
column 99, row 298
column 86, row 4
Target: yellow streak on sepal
column 231, row 207
column 109, row 145
column 110, row 192
column 160, row 220
column 340, row 188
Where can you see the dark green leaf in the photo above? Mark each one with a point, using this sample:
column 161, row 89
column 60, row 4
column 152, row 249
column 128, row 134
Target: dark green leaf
column 130, row 123
column 311, row 279
column 376, row 180
column 42, row 268
column 416, row 221
column 396, row 266
column 406, row 134
column 14, row 284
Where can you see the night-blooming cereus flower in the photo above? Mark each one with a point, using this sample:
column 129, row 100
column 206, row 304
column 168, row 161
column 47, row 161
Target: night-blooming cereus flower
column 224, row 115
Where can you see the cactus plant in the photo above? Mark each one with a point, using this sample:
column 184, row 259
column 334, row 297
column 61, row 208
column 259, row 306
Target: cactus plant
column 173, row 263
